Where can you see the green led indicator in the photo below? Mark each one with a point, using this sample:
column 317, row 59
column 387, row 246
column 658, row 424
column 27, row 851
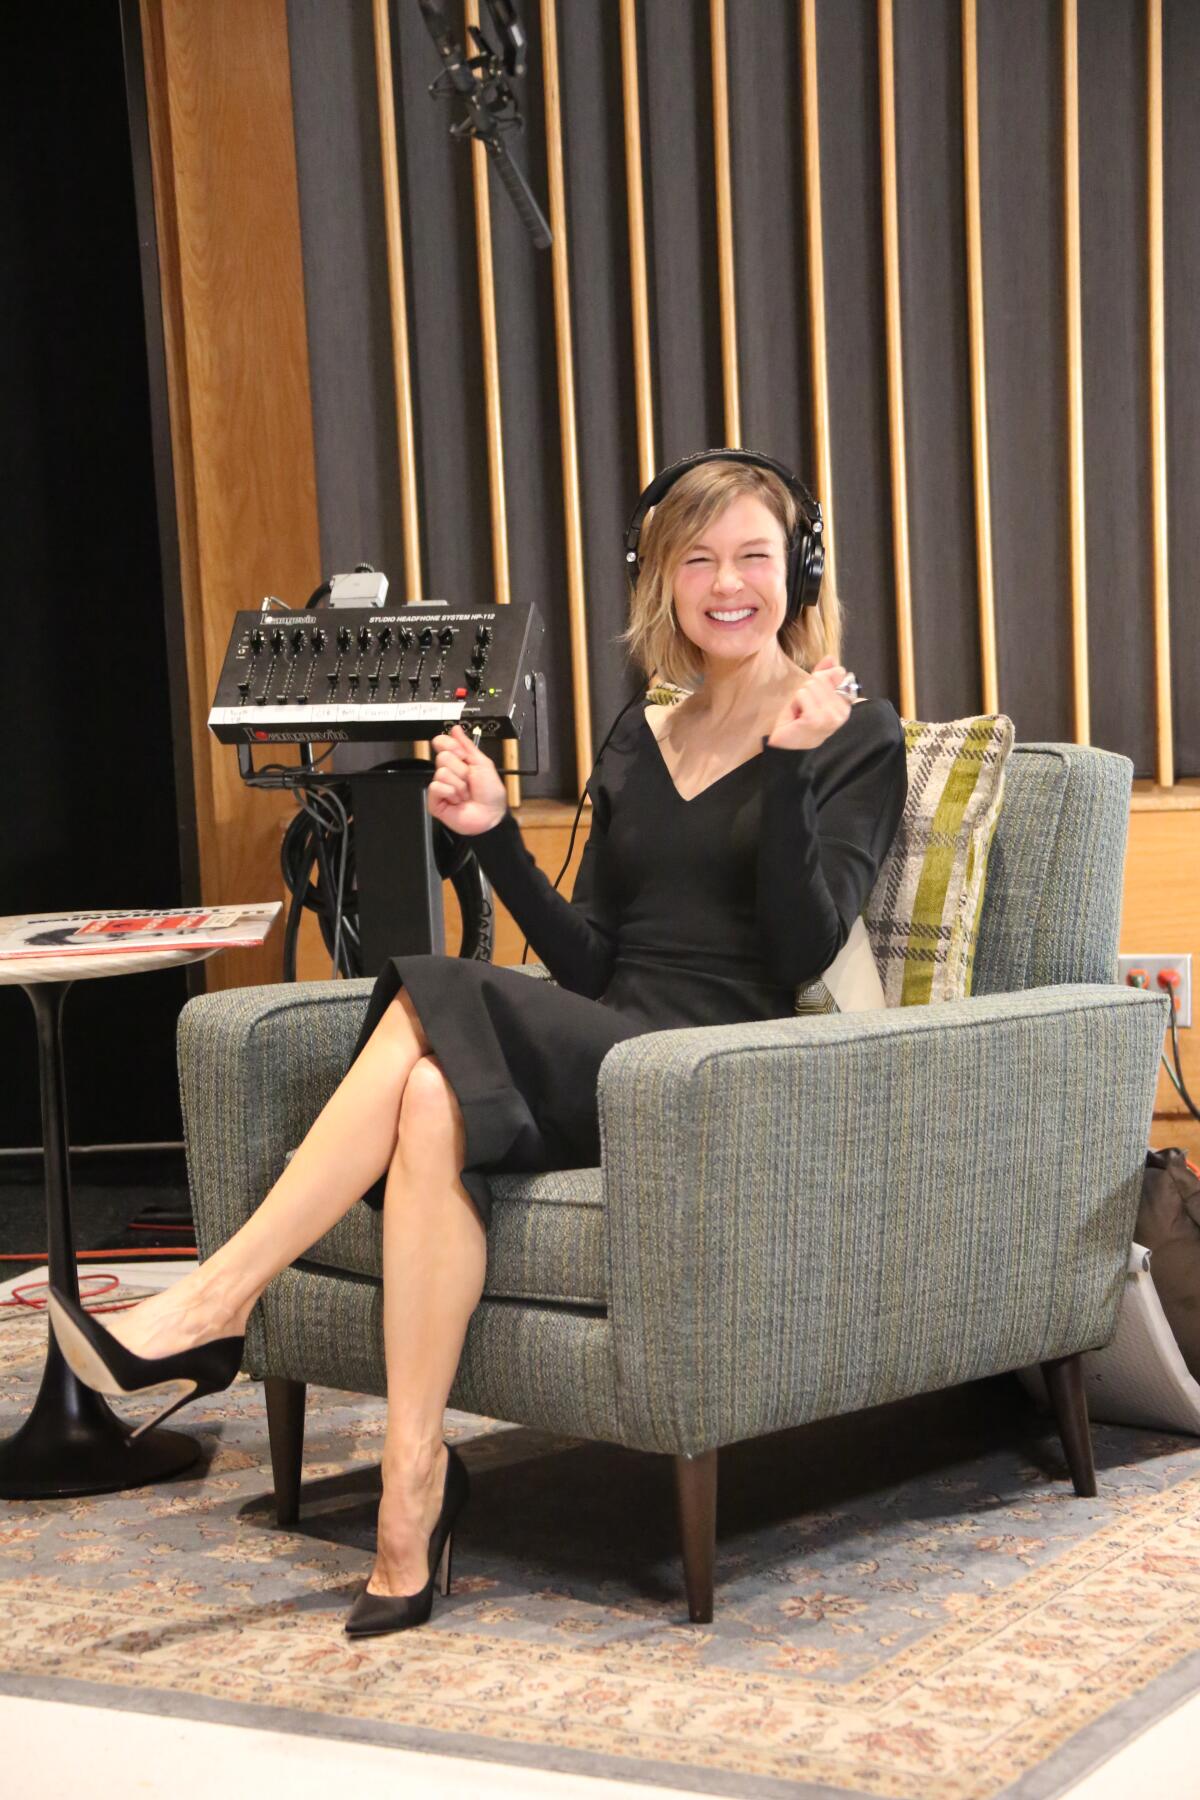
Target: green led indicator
column 491, row 690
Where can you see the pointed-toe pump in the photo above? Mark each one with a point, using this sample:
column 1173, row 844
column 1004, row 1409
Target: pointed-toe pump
column 102, row 1362
column 373, row 1614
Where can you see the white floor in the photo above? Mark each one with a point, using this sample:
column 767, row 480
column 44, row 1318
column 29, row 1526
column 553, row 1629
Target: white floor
column 55, row 1751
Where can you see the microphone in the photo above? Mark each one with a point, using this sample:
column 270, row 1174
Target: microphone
column 481, row 82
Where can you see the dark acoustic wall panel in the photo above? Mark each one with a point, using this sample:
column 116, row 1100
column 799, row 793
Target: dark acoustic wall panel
column 848, row 73
column 346, row 287
column 1181, row 176
column 524, row 289
column 447, row 351
column 937, row 375
column 766, row 129
column 681, row 225
column 1020, row 154
column 1116, row 371
column 1021, row 128
column 602, row 311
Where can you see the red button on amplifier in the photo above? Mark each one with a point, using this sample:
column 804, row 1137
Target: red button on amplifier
column 460, row 693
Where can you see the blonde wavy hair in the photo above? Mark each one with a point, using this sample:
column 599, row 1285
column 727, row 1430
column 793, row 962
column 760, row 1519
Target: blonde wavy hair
column 686, row 510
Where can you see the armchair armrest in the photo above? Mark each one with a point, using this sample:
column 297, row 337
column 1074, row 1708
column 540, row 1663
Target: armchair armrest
column 256, row 1065
column 815, row 1215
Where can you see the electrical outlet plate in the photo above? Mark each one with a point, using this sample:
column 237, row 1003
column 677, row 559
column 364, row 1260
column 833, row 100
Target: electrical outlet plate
column 1152, row 964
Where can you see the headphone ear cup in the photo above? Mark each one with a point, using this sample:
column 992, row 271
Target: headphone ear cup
column 797, row 556
column 814, row 571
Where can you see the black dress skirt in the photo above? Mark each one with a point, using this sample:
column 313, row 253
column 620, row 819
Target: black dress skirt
column 705, row 911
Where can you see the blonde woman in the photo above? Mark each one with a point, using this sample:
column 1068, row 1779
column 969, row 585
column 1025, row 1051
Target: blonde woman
column 735, row 837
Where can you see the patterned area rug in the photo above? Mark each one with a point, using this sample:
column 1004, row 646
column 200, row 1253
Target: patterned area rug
column 910, row 1603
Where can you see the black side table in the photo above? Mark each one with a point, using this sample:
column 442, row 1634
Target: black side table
column 72, row 1442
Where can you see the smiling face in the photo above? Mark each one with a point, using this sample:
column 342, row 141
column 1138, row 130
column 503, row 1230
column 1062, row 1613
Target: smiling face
column 730, row 587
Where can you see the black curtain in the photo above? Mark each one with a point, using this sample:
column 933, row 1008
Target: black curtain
column 92, row 820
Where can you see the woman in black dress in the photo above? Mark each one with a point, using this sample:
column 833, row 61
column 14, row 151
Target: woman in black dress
column 734, row 840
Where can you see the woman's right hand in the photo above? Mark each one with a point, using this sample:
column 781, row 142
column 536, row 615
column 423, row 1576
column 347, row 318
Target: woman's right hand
column 466, row 792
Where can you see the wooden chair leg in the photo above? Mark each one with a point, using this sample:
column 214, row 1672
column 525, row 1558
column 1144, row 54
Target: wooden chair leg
column 285, row 1428
column 1064, row 1379
column 696, row 1497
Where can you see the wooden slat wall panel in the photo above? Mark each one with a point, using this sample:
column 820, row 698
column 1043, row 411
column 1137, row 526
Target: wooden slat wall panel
column 241, row 410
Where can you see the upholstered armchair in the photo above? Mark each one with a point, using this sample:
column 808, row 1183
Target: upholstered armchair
column 791, row 1220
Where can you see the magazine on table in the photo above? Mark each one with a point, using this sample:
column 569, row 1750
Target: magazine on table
column 116, row 933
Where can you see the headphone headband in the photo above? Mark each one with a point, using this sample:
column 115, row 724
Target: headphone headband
column 806, row 548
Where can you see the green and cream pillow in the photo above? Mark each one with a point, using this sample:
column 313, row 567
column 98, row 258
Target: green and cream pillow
column 922, row 915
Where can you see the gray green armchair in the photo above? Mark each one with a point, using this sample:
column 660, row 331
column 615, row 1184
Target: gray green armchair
column 791, row 1220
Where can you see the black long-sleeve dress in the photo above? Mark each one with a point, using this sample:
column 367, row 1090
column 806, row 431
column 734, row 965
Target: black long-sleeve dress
column 706, row 911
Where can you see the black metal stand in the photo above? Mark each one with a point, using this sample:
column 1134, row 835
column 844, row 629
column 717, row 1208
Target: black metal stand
column 72, row 1443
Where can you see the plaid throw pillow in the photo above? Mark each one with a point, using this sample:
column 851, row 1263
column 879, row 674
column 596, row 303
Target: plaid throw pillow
column 923, row 912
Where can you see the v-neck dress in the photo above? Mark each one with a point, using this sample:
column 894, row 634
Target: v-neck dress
column 709, row 910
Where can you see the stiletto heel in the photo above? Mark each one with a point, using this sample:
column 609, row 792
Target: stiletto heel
column 373, row 1614
column 102, row 1362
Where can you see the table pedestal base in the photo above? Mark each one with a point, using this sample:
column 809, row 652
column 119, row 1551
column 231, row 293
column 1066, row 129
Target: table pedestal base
column 73, row 1443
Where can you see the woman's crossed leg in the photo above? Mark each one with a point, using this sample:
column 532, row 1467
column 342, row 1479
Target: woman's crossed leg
column 393, row 1111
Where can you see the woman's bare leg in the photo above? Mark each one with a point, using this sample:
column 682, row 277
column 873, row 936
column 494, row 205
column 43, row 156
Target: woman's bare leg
column 349, row 1146
column 434, row 1260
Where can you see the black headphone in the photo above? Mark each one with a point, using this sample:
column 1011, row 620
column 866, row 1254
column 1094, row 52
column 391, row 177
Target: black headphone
column 806, row 550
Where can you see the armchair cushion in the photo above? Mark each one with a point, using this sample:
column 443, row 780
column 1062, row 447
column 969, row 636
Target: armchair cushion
column 546, row 1240
column 923, row 912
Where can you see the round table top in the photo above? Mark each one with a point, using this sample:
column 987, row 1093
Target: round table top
column 25, row 971
column 37, row 947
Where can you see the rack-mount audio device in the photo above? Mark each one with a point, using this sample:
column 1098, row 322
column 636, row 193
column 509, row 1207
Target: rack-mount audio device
column 361, row 675
column 373, row 679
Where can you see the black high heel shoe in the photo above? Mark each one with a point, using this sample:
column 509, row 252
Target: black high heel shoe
column 373, row 1614
column 102, row 1362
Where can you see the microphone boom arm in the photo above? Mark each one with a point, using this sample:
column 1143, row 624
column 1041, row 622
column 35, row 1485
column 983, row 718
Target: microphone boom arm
column 481, row 83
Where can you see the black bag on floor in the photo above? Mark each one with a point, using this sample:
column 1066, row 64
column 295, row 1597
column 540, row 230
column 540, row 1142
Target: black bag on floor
column 1168, row 1224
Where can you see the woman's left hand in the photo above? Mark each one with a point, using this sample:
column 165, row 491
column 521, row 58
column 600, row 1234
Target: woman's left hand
column 815, row 711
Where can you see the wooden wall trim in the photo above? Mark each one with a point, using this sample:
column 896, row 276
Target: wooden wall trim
column 218, row 90
column 1158, row 392
column 1073, row 275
